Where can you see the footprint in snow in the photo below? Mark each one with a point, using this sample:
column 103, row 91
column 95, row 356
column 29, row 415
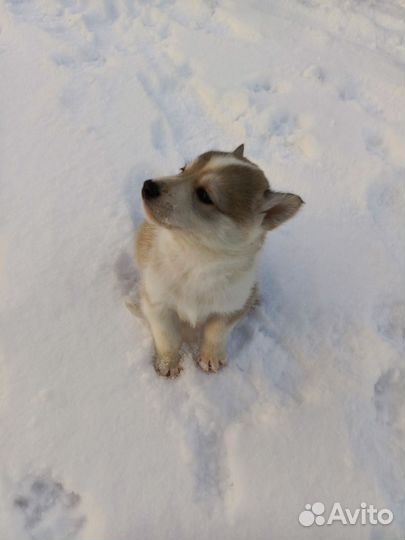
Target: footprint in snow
column 375, row 144
column 390, row 322
column 159, row 135
column 388, row 400
column 315, row 73
column 126, row 274
column 260, row 84
column 347, row 91
column 293, row 131
column 48, row 510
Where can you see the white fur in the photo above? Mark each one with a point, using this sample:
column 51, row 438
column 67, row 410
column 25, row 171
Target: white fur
column 196, row 282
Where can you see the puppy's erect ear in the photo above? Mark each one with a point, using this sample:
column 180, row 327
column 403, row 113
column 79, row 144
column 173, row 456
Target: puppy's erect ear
column 238, row 152
column 278, row 207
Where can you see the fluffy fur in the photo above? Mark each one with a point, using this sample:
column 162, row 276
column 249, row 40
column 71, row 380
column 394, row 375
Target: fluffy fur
column 197, row 252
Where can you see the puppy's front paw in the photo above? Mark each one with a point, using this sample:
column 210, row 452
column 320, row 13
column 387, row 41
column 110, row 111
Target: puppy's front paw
column 168, row 366
column 211, row 363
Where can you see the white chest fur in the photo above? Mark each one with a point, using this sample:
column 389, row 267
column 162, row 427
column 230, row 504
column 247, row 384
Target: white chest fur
column 196, row 282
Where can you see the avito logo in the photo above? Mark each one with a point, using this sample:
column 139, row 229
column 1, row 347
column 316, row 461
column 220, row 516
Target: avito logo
column 366, row 514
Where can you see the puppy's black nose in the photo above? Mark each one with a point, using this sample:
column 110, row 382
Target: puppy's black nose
column 150, row 190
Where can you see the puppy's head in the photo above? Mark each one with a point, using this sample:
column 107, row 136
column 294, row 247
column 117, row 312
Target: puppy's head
column 221, row 199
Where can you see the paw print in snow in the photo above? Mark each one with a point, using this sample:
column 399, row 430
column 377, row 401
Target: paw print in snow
column 48, row 511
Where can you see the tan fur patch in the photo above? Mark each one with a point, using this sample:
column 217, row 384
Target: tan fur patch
column 239, row 191
column 143, row 242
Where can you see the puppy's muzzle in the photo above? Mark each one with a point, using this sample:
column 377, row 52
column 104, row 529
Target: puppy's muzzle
column 150, row 190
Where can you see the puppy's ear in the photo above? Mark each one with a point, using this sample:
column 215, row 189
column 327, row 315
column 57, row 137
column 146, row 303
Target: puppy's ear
column 238, row 152
column 278, row 207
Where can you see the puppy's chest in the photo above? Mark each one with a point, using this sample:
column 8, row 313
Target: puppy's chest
column 197, row 288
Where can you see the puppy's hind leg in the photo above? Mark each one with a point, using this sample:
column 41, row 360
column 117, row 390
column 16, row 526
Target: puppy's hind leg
column 166, row 331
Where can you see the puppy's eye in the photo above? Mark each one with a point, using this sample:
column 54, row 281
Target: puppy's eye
column 182, row 169
column 203, row 196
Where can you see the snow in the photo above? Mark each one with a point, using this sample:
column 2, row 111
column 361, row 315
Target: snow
column 98, row 96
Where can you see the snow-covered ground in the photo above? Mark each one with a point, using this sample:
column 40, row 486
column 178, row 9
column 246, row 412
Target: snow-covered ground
column 95, row 97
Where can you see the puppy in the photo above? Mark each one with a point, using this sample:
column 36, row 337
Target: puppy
column 197, row 252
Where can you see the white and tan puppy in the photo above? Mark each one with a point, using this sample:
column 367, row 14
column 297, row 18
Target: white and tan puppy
column 197, row 251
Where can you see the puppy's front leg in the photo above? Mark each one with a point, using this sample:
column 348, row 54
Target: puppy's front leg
column 165, row 328
column 216, row 333
column 214, row 340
